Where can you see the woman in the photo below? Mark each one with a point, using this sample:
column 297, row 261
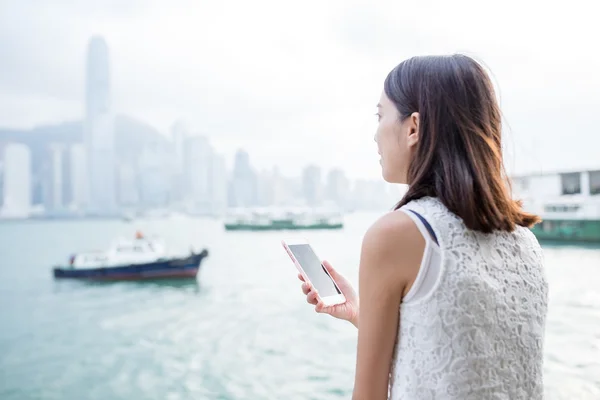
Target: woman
column 453, row 295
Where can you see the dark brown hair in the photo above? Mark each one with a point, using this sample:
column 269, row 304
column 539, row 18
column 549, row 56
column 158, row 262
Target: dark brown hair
column 458, row 157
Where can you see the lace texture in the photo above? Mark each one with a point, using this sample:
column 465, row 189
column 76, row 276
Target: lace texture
column 479, row 333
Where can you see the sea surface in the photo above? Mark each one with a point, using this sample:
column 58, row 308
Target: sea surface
column 242, row 330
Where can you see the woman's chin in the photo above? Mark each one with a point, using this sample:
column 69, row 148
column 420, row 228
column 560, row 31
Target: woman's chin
column 384, row 175
column 391, row 177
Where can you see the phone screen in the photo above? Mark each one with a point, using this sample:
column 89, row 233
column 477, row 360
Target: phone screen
column 311, row 265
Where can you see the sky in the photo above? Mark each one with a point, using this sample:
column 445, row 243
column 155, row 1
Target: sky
column 295, row 83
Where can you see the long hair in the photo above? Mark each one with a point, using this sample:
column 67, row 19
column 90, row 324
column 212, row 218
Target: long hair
column 458, row 157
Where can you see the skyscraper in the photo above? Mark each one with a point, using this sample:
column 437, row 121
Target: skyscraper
column 243, row 182
column 218, row 184
column 17, row 181
column 54, row 182
column 129, row 185
column 338, row 187
column 79, row 178
column 99, row 130
column 198, row 160
column 179, row 134
column 153, row 175
column 178, row 181
column 311, row 184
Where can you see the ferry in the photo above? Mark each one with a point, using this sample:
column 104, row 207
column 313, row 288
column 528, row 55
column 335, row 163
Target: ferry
column 567, row 201
column 275, row 220
column 137, row 259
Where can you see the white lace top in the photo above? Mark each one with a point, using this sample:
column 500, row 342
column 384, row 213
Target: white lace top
column 472, row 327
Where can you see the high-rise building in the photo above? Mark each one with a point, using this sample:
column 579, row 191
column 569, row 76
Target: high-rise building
column 17, row 181
column 79, row 178
column 281, row 195
column 198, row 164
column 218, row 184
column 154, row 176
column 265, row 189
column 99, row 131
column 128, row 192
column 243, row 192
column 179, row 134
column 53, row 179
column 206, row 177
column 179, row 188
column 311, row 185
column 338, row 187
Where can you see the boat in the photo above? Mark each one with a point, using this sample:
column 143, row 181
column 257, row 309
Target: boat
column 276, row 220
column 138, row 259
column 567, row 201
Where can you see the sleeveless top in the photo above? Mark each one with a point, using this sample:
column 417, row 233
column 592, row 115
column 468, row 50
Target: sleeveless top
column 472, row 324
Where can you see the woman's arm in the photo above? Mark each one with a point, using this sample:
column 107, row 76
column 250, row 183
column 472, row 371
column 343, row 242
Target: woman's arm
column 391, row 255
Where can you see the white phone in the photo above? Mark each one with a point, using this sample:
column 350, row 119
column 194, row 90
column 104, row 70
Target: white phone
column 309, row 265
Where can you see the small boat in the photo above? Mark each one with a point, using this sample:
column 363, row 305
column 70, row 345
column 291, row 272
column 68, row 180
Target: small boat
column 273, row 220
column 137, row 259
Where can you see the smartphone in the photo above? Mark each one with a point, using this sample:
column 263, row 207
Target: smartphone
column 309, row 265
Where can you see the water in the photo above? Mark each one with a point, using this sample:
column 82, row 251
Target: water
column 241, row 331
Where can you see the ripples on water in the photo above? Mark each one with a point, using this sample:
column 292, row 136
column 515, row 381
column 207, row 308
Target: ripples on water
column 241, row 331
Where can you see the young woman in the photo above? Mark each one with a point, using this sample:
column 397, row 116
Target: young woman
column 453, row 295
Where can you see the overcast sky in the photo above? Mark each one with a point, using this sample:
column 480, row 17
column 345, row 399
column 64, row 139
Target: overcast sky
column 297, row 82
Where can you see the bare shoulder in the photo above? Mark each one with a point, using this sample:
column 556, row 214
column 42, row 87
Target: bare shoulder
column 394, row 232
column 394, row 244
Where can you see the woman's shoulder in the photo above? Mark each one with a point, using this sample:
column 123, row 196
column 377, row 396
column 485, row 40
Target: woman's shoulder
column 393, row 241
column 396, row 228
column 389, row 226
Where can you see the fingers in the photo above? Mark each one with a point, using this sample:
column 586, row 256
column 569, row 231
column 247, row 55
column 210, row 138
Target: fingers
column 330, row 269
column 301, row 277
column 306, row 288
column 311, row 294
column 311, row 298
column 320, row 307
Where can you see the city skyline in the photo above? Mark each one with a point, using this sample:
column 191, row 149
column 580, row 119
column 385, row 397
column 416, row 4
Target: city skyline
column 209, row 194
column 88, row 177
column 301, row 96
column 94, row 176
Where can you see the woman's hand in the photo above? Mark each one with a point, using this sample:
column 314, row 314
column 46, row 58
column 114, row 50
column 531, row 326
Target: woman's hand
column 347, row 311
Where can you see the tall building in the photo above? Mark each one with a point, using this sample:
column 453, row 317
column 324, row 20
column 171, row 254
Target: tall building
column 128, row 185
column 265, row 189
column 205, row 177
column 17, row 181
column 311, row 185
column 198, row 163
column 179, row 135
column 338, row 187
column 99, row 131
column 79, row 178
column 153, row 176
column 281, row 195
column 243, row 192
column 218, row 185
column 54, row 179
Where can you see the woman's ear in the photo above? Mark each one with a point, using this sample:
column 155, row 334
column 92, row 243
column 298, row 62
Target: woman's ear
column 413, row 133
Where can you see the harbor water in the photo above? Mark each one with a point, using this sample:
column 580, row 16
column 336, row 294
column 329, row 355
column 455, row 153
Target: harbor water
column 242, row 330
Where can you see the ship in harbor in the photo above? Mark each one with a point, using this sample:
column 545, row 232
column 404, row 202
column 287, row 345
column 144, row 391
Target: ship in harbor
column 568, row 202
column 138, row 259
column 288, row 219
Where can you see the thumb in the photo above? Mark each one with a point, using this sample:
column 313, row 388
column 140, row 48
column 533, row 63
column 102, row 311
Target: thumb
column 330, row 269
